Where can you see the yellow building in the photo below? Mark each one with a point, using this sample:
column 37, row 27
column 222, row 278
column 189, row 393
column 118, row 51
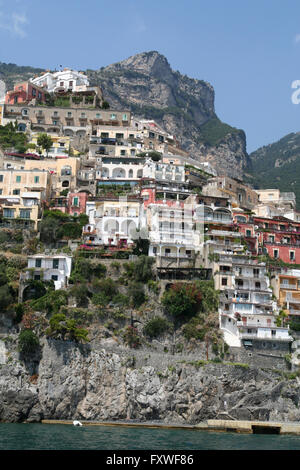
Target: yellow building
column 63, row 171
column 61, row 146
column 13, row 182
column 22, row 211
column 21, row 195
column 286, row 287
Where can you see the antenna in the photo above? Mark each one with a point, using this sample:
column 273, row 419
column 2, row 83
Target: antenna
column 2, row 91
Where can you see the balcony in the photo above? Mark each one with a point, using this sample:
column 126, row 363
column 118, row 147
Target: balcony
column 288, row 286
column 252, row 324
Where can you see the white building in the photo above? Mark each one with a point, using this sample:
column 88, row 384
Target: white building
column 64, row 80
column 113, row 221
column 247, row 311
column 50, row 267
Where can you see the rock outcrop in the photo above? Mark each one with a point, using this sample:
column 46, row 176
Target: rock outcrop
column 146, row 84
column 82, row 382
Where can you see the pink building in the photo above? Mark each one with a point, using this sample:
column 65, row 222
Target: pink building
column 77, row 203
column 73, row 204
column 23, row 93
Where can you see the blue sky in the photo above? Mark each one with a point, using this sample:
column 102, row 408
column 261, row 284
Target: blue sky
column 249, row 50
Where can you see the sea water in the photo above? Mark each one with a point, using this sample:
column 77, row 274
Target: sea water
column 67, row 437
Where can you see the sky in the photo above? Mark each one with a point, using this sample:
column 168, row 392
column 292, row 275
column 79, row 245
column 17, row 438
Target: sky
column 248, row 50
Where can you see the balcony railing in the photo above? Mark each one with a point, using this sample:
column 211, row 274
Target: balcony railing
column 288, row 286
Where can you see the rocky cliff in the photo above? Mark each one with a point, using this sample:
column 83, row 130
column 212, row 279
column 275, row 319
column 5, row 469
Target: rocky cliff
column 96, row 383
column 146, row 84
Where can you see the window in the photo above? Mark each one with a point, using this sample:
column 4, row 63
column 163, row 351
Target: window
column 54, row 277
column 69, row 114
column 38, row 263
column 61, row 83
column 55, row 263
column 98, row 115
column 124, row 117
column 292, row 256
column 37, row 277
column 248, row 233
column 276, row 254
column 55, row 113
column 75, row 201
column 25, row 213
column 1, row 178
column 18, row 179
column 36, row 179
column 33, row 92
column 224, row 281
column 16, row 192
column 39, row 95
column 113, row 117
column 9, row 213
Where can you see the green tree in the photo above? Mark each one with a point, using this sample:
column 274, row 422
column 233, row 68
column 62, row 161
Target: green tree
column 182, row 299
column 44, row 141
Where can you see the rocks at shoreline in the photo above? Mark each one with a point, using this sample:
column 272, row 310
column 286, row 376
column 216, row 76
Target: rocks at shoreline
column 79, row 382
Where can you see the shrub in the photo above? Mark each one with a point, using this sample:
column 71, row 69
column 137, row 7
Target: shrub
column 294, row 325
column 137, row 294
column 131, row 337
column 156, row 327
column 153, row 285
column 121, row 299
column 194, row 329
column 63, row 328
column 19, row 312
column 81, row 294
column 143, row 268
column 182, row 299
column 28, row 342
column 51, row 302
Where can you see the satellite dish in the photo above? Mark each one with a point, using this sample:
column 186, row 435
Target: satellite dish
column 2, row 91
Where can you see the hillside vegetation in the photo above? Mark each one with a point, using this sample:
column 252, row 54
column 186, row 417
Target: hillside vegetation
column 277, row 166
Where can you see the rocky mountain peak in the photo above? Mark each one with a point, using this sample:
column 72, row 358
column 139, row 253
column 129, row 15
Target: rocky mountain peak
column 150, row 63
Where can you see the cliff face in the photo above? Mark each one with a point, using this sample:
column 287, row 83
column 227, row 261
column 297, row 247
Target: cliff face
column 146, row 84
column 80, row 382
